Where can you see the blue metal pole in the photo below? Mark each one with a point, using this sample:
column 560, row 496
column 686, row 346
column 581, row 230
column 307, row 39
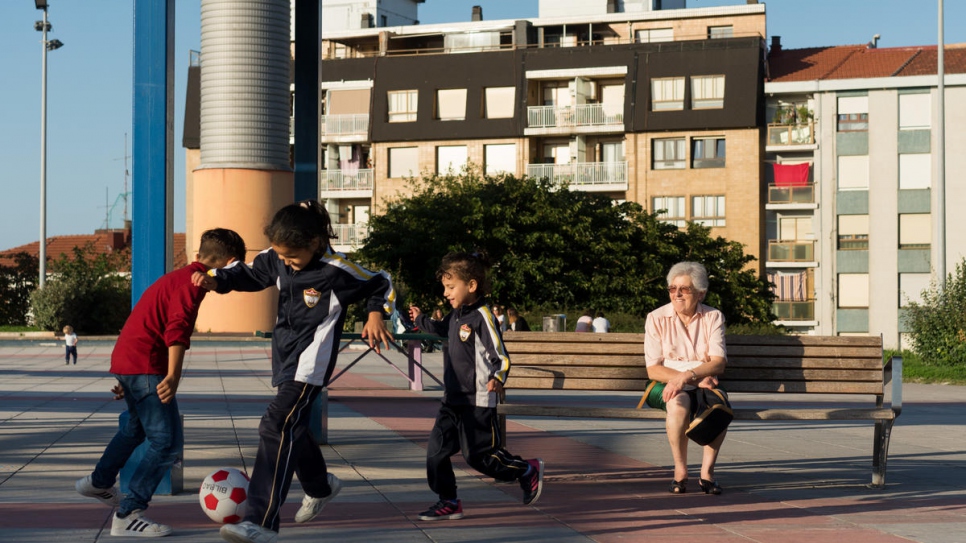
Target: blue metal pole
column 308, row 36
column 153, row 142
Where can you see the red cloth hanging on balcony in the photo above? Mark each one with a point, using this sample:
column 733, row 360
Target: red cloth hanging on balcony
column 791, row 175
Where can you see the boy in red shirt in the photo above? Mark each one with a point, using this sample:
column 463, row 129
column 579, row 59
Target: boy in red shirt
column 147, row 361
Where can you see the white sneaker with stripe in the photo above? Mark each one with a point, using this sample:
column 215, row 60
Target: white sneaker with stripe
column 108, row 496
column 138, row 525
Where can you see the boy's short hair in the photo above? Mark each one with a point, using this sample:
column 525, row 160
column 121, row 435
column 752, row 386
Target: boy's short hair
column 221, row 244
column 466, row 267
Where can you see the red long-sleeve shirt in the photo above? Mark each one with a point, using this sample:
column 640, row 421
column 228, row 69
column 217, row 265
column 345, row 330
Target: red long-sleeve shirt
column 164, row 315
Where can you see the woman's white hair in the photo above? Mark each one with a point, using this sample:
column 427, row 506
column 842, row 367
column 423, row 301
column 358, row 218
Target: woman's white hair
column 695, row 270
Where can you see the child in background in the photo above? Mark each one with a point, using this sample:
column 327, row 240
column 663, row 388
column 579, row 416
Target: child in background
column 147, row 361
column 315, row 287
column 70, row 340
column 475, row 367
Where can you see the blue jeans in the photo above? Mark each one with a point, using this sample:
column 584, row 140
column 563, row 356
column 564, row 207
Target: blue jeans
column 149, row 419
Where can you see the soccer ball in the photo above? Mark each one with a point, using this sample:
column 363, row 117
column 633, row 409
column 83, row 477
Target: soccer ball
column 224, row 496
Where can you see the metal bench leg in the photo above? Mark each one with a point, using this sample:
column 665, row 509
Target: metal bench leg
column 880, row 453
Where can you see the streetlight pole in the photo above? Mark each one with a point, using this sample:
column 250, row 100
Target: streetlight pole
column 44, row 26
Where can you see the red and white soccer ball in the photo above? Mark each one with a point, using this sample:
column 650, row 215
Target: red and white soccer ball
column 224, row 496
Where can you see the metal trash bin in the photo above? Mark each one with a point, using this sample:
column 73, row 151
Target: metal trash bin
column 555, row 323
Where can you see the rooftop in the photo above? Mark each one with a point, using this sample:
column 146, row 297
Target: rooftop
column 103, row 241
column 861, row 62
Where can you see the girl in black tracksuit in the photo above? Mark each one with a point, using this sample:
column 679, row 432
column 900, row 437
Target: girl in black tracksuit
column 315, row 286
column 475, row 366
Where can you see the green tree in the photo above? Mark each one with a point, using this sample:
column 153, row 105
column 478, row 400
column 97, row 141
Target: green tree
column 16, row 283
column 938, row 323
column 85, row 291
column 553, row 247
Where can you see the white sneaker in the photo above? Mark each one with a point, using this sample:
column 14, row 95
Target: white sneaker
column 247, row 532
column 138, row 525
column 109, row 496
column 311, row 507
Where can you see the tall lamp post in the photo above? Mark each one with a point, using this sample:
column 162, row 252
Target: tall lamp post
column 44, row 26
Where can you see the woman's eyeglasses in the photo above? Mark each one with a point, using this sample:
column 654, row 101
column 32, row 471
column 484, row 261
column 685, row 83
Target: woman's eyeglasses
column 684, row 290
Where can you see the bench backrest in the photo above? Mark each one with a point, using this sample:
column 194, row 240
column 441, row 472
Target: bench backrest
column 805, row 364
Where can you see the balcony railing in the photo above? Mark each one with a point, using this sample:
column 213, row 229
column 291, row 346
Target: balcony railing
column 572, row 116
column 353, row 235
column 344, row 125
column 803, row 194
column 791, row 134
column 581, row 174
column 340, row 180
column 791, row 251
column 794, row 311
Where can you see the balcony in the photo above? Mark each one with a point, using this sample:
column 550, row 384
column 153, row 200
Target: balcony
column 584, row 176
column 344, row 128
column 782, row 136
column 342, row 184
column 584, row 118
column 349, row 237
column 794, row 311
column 791, row 251
column 791, row 197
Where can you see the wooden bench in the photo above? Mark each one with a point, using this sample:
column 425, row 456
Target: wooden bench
column 758, row 364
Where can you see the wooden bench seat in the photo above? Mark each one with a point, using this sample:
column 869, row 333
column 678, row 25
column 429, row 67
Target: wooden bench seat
column 850, row 366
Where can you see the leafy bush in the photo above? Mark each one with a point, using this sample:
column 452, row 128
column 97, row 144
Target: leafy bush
column 85, row 292
column 16, row 282
column 756, row 329
column 938, row 323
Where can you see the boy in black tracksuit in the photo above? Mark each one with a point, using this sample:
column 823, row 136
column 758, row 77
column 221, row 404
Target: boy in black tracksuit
column 475, row 366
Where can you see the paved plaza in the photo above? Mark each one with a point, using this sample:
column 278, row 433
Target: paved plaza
column 606, row 480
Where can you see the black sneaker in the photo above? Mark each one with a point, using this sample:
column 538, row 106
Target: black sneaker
column 443, row 510
column 532, row 484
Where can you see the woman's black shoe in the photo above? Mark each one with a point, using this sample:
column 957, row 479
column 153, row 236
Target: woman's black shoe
column 709, row 487
column 678, row 487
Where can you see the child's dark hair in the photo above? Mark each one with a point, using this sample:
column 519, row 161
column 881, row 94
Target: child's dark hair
column 467, row 266
column 297, row 225
column 221, row 244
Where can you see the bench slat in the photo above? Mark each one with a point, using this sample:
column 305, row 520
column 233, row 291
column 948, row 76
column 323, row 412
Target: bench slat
column 731, row 374
column 874, row 363
column 743, row 374
column 576, row 348
column 571, row 411
column 561, row 383
column 578, row 372
column 575, row 359
column 829, row 351
column 803, row 387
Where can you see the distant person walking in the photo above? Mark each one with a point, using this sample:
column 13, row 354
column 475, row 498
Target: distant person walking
column 70, row 341
column 586, row 321
column 516, row 322
column 601, row 325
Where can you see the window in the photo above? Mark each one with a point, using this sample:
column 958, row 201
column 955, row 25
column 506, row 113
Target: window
column 911, row 286
column 556, row 153
column 915, row 171
column 853, row 172
column 451, row 104
column 499, row 158
column 795, row 229
column 667, row 94
column 670, row 209
column 402, row 106
column 915, row 111
column 717, row 32
column 707, row 92
column 853, row 114
column 915, row 231
column 498, row 102
column 708, row 210
column 853, row 290
column 556, row 94
column 403, row 161
column 668, row 154
column 612, row 102
column 708, row 153
column 450, row 159
column 853, row 232
column 654, row 35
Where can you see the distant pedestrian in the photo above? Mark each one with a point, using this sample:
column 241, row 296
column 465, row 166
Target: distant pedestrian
column 475, row 367
column 586, row 321
column 516, row 322
column 500, row 317
column 601, row 325
column 70, row 340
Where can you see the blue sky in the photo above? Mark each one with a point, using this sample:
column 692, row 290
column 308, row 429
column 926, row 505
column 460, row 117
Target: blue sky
column 89, row 89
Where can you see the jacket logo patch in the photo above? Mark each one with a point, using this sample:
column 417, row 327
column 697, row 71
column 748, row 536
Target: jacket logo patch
column 465, row 332
column 311, row 297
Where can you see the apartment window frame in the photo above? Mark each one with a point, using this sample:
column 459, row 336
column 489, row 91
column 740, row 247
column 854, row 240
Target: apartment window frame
column 718, row 32
column 451, row 166
column 659, row 154
column 853, row 290
column 853, row 233
column 654, row 35
column 915, row 111
column 915, row 171
column 855, row 177
column 660, row 205
column 398, row 155
column 911, row 287
column 852, row 114
column 704, row 155
column 451, row 104
column 700, row 84
column 708, row 210
column 660, row 87
column 408, row 99
column 915, row 231
column 495, row 103
column 495, row 158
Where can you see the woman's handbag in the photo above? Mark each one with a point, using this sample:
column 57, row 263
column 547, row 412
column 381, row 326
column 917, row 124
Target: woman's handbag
column 710, row 410
column 713, row 414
